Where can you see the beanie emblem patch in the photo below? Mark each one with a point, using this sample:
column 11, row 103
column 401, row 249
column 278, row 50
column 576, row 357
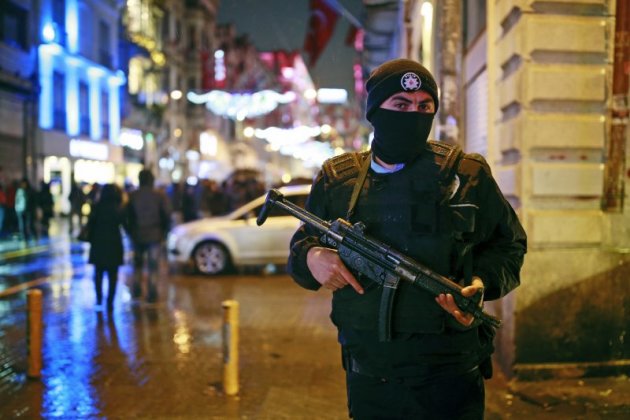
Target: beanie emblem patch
column 410, row 82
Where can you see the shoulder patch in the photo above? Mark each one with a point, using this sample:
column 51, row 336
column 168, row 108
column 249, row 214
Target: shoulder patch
column 447, row 157
column 476, row 156
column 343, row 167
column 472, row 158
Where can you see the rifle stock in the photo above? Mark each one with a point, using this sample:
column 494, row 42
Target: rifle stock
column 377, row 260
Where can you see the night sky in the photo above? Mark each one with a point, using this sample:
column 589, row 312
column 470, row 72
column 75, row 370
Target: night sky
column 281, row 24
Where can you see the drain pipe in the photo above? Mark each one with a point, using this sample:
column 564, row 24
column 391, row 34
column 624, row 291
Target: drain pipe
column 614, row 169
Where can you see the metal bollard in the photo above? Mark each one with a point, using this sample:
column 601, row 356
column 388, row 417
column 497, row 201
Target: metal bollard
column 34, row 333
column 230, row 347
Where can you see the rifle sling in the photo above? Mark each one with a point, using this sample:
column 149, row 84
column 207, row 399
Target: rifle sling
column 391, row 284
column 358, row 186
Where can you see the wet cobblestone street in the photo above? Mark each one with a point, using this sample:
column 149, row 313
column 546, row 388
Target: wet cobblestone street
column 164, row 360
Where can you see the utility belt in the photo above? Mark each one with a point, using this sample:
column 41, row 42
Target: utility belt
column 416, row 376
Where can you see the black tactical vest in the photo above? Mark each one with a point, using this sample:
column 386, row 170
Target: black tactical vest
column 402, row 209
column 412, row 211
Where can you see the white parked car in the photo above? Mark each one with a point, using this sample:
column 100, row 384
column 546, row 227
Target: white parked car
column 215, row 244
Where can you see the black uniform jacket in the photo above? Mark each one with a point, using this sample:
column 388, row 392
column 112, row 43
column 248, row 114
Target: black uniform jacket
column 441, row 222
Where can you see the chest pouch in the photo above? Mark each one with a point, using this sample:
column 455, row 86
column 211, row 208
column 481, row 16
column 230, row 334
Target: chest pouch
column 463, row 220
column 424, row 208
column 424, row 216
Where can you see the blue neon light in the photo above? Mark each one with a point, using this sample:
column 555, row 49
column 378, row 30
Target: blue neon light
column 72, row 25
column 72, row 98
column 95, row 107
column 46, row 87
column 45, row 14
column 114, row 113
column 49, row 33
column 54, row 57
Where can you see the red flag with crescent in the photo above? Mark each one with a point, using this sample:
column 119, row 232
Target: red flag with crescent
column 321, row 25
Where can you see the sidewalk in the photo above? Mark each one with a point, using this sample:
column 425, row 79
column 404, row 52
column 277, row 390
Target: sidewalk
column 165, row 360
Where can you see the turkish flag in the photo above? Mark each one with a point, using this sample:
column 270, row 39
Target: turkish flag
column 321, row 25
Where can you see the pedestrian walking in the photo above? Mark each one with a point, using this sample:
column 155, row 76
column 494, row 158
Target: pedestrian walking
column 3, row 206
column 45, row 203
column 24, row 209
column 105, row 238
column 10, row 217
column 189, row 204
column 77, row 200
column 92, row 197
column 441, row 208
column 148, row 219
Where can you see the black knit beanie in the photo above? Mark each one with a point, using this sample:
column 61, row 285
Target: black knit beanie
column 397, row 76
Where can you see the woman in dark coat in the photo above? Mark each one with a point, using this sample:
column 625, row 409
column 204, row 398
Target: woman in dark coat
column 106, row 247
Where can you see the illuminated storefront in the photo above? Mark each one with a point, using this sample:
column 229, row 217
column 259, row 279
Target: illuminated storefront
column 132, row 142
column 87, row 161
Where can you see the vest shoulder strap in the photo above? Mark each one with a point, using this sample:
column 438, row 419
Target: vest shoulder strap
column 346, row 166
column 447, row 157
column 473, row 163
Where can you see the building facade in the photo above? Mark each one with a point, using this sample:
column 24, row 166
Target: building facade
column 532, row 93
column 18, row 103
column 79, row 94
column 549, row 76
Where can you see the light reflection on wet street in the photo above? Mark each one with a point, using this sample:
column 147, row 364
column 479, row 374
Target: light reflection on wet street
column 162, row 360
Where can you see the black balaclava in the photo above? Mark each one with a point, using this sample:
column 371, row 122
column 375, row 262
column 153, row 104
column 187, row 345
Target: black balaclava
column 399, row 137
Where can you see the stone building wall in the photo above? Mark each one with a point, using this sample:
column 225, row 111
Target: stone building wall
column 549, row 66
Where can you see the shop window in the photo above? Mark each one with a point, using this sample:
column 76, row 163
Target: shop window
column 166, row 75
column 86, row 45
column 135, row 75
column 59, row 101
column 178, row 31
column 13, row 24
column 59, row 18
column 165, row 26
column 105, row 114
column 474, row 20
column 84, row 109
column 104, row 37
column 192, row 38
column 205, row 41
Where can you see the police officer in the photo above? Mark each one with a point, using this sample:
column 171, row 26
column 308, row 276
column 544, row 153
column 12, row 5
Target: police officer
column 440, row 207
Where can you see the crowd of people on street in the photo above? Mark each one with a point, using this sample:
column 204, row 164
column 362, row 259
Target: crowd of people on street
column 212, row 198
column 26, row 212
column 101, row 213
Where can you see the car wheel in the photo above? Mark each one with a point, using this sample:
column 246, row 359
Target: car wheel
column 211, row 258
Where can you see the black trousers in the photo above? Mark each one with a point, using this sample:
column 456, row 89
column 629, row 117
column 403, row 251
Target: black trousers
column 460, row 397
column 112, row 277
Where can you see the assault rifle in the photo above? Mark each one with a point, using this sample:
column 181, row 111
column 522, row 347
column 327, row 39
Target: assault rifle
column 378, row 262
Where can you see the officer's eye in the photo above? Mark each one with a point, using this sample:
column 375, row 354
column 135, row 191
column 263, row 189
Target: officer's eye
column 426, row 107
column 402, row 106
